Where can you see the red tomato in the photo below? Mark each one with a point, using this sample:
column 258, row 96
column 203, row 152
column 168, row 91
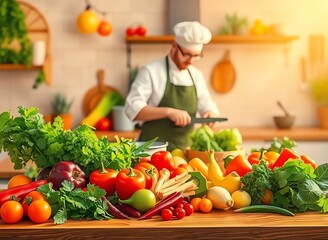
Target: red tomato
column 39, row 211
column 11, row 211
column 166, row 214
column 145, row 159
column 141, row 31
column 105, row 28
column 104, row 124
column 162, row 159
column 130, row 31
column 105, row 180
column 128, row 181
column 148, row 171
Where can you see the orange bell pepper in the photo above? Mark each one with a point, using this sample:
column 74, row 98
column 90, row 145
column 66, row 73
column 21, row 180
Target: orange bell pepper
column 239, row 164
column 254, row 158
column 284, row 156
column 270, row 157
column 306, row 159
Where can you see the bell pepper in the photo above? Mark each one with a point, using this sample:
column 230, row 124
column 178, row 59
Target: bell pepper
column 306, row 159
column 270, row 157
column 105, row 178
column 148, row 171
column 238, row 164
column 128, row 181
column 284, row 156
column 66, row 170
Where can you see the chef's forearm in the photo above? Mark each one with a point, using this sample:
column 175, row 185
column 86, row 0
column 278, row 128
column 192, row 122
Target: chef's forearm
column 149, row 113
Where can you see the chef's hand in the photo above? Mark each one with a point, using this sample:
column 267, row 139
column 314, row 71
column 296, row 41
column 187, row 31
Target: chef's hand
column 210, row 114
column 179, row 117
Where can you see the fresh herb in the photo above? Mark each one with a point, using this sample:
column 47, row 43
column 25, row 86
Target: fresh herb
column 256, row 181
column 74, row 203
column 277, row 145
column 28, row 138
column 296, row 186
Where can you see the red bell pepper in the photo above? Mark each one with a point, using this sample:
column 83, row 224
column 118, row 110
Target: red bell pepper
column 128, row 181
column 105, row 179
column 284, row 156
column 306, row 159
column 240, row 165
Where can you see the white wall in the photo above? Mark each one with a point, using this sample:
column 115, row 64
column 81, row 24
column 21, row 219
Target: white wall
column 262, row 76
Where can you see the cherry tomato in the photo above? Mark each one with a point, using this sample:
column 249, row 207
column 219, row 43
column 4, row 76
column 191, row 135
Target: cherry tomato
column 188, row 208
column 148, row 171
column 162, row 159
column 29, row 198
column 105, row 180
column 128, row 181
column 141, row 31
column 39, row 211
column 179, row 213
column 130, row 31
column 105, row 28
column 104, row 124
column 11, row 211
column 166, row 214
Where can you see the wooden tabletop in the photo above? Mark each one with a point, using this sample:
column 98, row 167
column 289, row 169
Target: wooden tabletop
column 214, row 225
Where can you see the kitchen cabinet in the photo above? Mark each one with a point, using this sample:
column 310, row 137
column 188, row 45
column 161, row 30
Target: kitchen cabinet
column 38, row 29
column 214, row 225
column 217, row 39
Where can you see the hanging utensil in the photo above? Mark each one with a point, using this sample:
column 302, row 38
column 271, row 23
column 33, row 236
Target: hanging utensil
column 223, row 75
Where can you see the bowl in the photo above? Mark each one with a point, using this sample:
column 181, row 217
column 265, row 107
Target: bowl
column 284, row 122
column 156, row 146
column 219, row 156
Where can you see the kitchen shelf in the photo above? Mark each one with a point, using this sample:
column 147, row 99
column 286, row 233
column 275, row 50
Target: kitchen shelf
column 217, row 39
column 37, row 28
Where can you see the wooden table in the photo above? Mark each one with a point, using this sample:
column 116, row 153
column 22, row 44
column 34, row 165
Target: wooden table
column 214, row 225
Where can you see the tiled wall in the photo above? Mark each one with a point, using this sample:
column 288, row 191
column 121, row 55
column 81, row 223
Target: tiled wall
column 262, row 74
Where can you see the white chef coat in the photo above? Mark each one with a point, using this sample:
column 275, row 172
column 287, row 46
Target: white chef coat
column 149, row 86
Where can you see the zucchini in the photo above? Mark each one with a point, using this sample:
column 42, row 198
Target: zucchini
column 264, row 209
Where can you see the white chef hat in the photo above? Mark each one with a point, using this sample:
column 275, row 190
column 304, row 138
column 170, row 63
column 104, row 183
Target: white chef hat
column 192, row 35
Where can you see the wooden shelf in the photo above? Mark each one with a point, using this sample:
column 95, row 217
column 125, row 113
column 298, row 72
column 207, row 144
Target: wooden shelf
column 216, row 39
column 38, row 29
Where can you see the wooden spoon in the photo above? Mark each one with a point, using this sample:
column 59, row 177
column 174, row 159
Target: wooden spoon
column 223, row 75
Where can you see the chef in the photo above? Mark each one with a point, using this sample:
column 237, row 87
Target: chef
column 169, row 91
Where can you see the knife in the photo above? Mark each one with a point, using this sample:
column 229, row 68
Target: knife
column 207, row 120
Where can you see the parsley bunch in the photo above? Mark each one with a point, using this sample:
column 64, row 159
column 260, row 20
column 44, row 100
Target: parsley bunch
column 28, row 138
column 74, row 203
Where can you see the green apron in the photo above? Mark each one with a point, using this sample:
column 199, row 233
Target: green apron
column 179, row 97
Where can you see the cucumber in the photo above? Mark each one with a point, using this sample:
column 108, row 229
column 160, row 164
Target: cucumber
column 264, row 209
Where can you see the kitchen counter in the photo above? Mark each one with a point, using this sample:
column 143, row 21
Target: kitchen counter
column 253, row 133
column 214, row 225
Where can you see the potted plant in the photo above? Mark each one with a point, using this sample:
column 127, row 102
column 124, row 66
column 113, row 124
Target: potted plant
column 318, row 89
column 61, row 107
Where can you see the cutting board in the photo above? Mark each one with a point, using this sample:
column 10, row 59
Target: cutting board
column 93, row 95
column 223, row 75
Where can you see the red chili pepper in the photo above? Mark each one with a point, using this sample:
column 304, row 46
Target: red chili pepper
column 167, row 202
column 113, row 210
column 284, row 156
column 128, row 210
column 306, row 159
column 20, row 192
column 105, row 179
column 128, row 181
column 239, row 164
